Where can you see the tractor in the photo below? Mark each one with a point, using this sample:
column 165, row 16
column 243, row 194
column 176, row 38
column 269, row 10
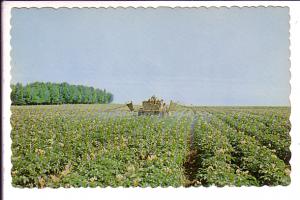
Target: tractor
column 152, row 106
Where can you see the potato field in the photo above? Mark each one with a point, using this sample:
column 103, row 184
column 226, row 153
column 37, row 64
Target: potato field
column 86, row 146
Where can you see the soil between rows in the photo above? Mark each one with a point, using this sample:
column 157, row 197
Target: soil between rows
column 191, row 165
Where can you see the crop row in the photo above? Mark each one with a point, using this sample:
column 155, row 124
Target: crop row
column 56, row 149
column 271, row 123
column 73, row 146
column 251, row 156
column 277, row 141
column 215, row 158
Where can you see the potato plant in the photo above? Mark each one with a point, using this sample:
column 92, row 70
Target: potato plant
column 53, row 149
column 279, row 140
column 215, row 157
column 250, row 155
column 84, row 146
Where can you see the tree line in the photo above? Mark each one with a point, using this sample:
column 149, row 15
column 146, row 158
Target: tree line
column 40, row 93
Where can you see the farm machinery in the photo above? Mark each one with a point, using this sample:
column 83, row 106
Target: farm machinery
column 152, row 106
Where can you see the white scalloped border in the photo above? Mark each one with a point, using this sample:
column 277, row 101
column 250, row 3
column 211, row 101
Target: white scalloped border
column 137, row 193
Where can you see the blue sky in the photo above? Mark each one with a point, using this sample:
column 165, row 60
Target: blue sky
column 194, row 56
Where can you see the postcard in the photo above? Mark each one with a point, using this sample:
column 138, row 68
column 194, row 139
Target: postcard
column 142, row 97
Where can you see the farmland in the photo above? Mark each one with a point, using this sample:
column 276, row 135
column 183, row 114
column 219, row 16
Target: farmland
column 94, row 145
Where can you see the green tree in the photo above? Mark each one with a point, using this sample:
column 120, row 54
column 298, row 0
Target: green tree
column 27, row 94
column 53, row 93
column 18, row 95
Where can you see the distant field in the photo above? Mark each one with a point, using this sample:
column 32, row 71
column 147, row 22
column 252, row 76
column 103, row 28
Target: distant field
column 106, row 145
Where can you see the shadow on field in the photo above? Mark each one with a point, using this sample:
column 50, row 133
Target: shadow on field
column 190, row 169
column 191, row 164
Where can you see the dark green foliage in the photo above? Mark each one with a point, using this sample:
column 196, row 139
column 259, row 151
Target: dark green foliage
column 17, row 94
column 250, row 155
column 39, row 93
column 78, row 146
column 275, row 136
column 215, row 157
column 70, row 148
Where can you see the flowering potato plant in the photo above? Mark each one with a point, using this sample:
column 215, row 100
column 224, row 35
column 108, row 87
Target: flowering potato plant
column 83, row 146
